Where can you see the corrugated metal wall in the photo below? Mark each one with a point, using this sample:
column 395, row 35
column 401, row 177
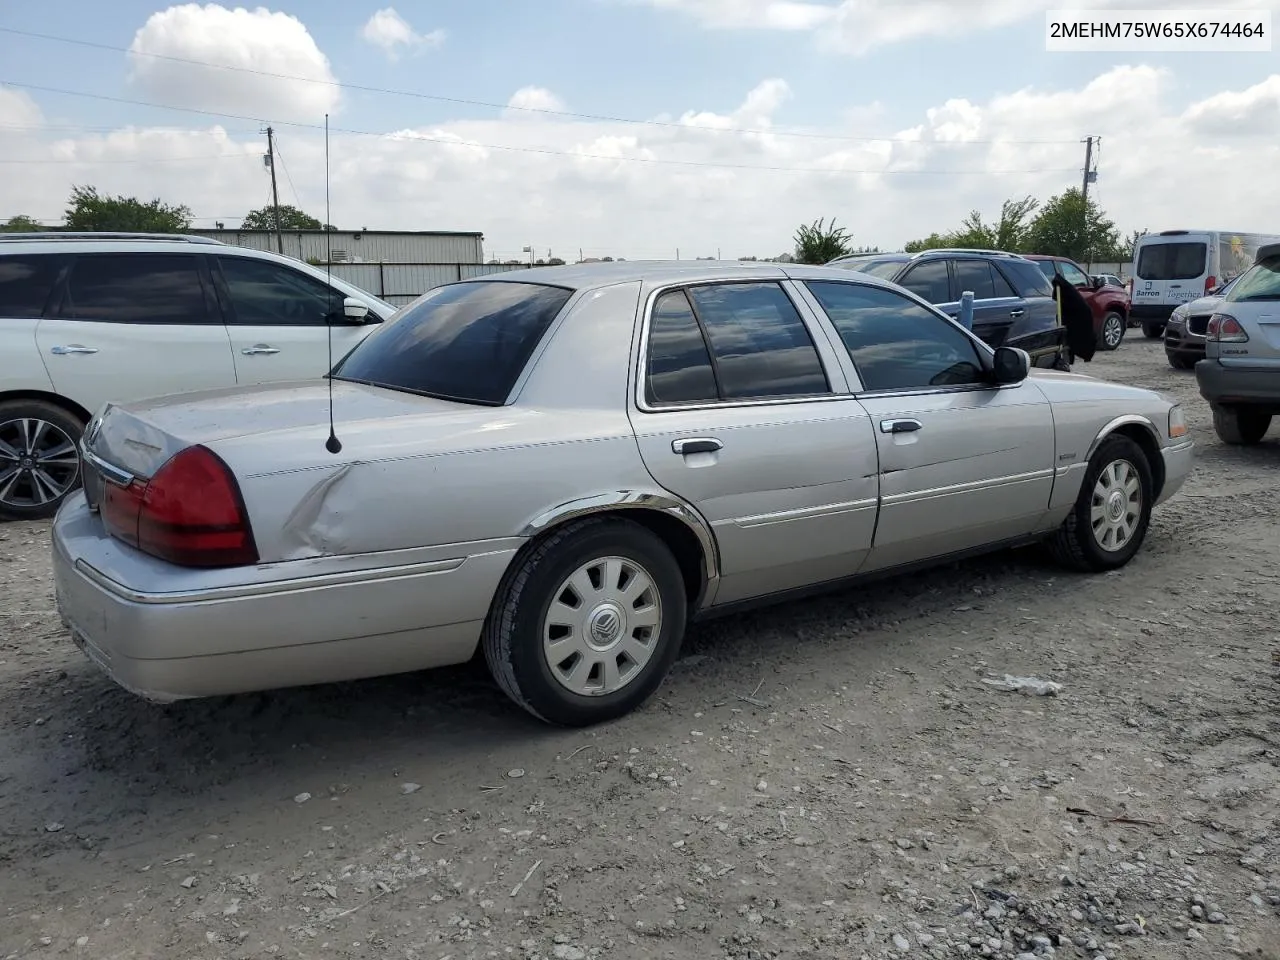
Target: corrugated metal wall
column 400, row 283
column 367, row 247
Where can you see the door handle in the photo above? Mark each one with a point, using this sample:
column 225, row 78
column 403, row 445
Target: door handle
column 259, row 348
column 900, row 426
column 1016, row 313
column 62, row 351
column 692, row 445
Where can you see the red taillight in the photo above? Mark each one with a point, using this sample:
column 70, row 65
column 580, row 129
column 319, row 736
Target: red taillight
column 1226, row 329
column 190, row 513
column 1209, row 283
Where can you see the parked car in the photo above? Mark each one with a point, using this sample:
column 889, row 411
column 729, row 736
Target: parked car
column 1240, row 374
column 1177, row 266
column 1110, row 280
column 1188, row 325
column 564, row 469
column 88, row 318
column 1013, row 304
column 1109, row 304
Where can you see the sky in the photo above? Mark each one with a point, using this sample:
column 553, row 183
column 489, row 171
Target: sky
column 645, row 129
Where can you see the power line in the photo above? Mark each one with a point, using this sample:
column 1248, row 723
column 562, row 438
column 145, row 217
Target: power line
column 420, row 138
column 139, row 160
column 285, row 167
column 762, row 131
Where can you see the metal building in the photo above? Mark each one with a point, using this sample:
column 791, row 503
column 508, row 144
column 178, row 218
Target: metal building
column 362, row 246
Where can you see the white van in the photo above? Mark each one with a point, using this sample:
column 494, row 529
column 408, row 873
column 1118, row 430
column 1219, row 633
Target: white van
column 1177, row 266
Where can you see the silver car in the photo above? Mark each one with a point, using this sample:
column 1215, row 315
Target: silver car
column 564, row 467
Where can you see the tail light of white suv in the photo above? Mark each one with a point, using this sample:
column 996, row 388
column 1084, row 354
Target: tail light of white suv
column 1224, row 328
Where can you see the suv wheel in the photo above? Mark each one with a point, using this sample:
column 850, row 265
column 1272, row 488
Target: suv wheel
column 1240, row 426
column 39, row 458
column 1113, row 327
column 1152, row 329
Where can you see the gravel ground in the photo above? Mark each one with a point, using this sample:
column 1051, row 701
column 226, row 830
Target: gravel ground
column 826, row 779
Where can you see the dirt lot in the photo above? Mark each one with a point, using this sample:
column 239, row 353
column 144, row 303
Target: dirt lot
column 826, row 779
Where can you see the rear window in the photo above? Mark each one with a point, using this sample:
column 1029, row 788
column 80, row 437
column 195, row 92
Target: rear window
column 25, row 285
column 1172, row 261
column 467, row 341
column 1261, row 282
column 1027, row 279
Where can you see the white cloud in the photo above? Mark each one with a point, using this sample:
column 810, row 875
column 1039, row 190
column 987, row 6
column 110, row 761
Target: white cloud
column 858, row 26
column 261, row 40
column 608, row 196
column 531, row 101
column 391, row 32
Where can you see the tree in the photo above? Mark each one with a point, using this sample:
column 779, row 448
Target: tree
column 1008, row 233
column 92, row 211
column 1124, row 253
column 21, row 224
column 1070, row 226
column 933, row 241
column 291, row 218
column 817, row 243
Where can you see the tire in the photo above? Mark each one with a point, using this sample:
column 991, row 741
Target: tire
column 36, row 470
column 1112, row 334
column 1240, row 426
column 1152, row 329
column 1079, row 543
column 516, row 645
column 1179, row 362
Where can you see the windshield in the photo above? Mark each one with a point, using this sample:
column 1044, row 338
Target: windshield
column 1259, row 282
column 467, row 342
column 884, row 269
column 1172, row 261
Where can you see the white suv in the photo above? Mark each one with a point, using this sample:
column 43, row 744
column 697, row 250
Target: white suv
column 91, row 318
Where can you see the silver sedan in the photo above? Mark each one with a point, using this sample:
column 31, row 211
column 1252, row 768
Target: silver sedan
column 563, row 467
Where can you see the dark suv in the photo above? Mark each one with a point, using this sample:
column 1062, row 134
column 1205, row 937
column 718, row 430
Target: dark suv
column 1013, row 303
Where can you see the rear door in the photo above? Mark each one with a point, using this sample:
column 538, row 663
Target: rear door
column 743, row 411
column 996, row 305
column 27, row 284
column 1170, row 270
column 131, row 325
column 277, row 319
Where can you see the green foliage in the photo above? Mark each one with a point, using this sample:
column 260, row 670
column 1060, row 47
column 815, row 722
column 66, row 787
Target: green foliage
column 1008, row 233
column 91, row 211
column 1070, row 226
column 291, row 218
column 817, row 243
column 21, row 224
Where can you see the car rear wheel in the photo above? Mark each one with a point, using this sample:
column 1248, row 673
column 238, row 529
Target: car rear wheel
column 1152, row 329
column 1109, row 521
column 1113, row 327
column 587, row 623
column 39, row 458
column 1180, row 362
column 1240, row 426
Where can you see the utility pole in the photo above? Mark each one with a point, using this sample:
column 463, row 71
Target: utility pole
column 1089, row 176
column 275, row 193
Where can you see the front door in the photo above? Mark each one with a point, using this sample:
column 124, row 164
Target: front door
column 277, row 318
column 132, row 325
column 744, row 413
column 962, row 463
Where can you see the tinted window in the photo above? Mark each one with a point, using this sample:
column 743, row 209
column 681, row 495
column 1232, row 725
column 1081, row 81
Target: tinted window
column 760, row 344
column 1074, row 275
column 1047, row 267
column 25, row 285
column 885, row 269
column 894, row 343
column 136, row 288
column 466, row 341
column 929, row 281
column 1002, row 286
column 1025, row 276
column 975, row 275
column 679, row 368
column 264, row 294
column 1260, row 282
column 1171, row 261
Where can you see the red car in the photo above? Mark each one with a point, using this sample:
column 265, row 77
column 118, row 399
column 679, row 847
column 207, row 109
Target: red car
column 1110, row 304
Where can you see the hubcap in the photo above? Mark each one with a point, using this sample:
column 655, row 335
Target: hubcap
column 602, row 626
column 1117, row 505
column 38, row 463
column 1113, row 332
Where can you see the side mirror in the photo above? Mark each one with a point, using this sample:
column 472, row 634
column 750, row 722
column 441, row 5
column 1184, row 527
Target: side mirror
column 354, row 310
column 1010, row 365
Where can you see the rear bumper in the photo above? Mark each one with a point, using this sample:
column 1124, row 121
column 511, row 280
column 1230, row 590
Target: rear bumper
column 1151, row 311
column 1244, row 386
column 168, row 638
column 1178, row 459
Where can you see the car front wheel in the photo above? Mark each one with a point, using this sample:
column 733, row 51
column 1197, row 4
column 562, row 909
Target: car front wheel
column 587, row 623
column 1152, row 330
column 1109, row 521
column 1180, row 362
column 39, row 458
column 1113, row 327
column 1240, row 426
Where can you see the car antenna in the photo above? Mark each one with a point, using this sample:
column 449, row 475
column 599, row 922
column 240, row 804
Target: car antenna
column 333, row 444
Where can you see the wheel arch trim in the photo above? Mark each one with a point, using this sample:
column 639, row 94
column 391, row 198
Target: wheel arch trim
column 1130, row 420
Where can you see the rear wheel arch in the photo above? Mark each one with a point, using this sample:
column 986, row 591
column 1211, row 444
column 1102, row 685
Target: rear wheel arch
column 44, row 396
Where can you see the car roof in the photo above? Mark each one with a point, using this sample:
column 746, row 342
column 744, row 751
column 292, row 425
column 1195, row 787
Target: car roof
column 102, row 237
column 583, row 276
